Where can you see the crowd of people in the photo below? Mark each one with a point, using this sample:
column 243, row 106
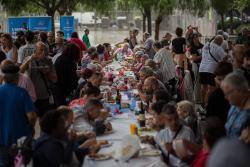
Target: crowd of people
column 196, row 94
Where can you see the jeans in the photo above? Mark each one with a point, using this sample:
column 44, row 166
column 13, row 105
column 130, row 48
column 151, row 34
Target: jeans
column 4, row 157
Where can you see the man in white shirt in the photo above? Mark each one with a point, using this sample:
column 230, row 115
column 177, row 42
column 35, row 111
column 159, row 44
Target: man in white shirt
column 212, row 54
column 28, row 49
column 173, row 131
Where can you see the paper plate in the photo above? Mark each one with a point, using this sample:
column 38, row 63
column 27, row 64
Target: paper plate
column 100, row 157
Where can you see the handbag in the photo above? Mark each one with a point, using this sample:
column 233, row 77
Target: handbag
column 51, row 97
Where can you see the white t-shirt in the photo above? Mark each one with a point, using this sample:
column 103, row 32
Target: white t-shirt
column 25, row 51
column 208, row 64
column 225, row 45
column 166, row 136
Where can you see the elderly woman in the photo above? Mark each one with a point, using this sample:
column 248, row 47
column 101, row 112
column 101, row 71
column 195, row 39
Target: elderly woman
column 153, row 65
column 143, row 59
column 145, row 72
column 123, row 52
column 236, row 90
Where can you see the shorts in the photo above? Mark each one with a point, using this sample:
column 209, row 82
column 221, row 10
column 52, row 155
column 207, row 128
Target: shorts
column 207, row 78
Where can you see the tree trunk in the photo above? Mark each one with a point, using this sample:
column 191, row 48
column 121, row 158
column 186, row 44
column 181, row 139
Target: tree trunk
column 149, row 20
column 51, row 13
column 222, row 22
column 144, row 22
column 53, row 23
column 157, row 26
column 231, row 21
column 61, row 12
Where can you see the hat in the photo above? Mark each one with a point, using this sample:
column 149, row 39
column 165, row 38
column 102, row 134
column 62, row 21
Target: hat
column 10, row 69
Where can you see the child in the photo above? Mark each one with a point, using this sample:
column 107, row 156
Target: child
column 186, row 113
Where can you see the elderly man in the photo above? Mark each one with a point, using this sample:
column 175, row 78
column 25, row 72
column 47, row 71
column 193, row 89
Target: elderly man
column 59, row 42
column 212, row 54
column 28, row 49
column 91, row 118
column 236, row 90
column 165, row 62
column 17, row 116
column 42, row 72
column 148, row 45
column 150, row 85
column 23, row 81
column 123, row 52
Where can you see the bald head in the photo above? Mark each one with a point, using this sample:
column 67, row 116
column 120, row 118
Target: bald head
column 150, row 85
column 151, row 81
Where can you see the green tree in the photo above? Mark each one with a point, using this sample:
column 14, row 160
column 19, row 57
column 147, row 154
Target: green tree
column 49, row 6
column 222, row 7
column 166, row 7
column 67, row 7
column 163, row 7
column 242, row 4
column 12, row 6
column 146, row 7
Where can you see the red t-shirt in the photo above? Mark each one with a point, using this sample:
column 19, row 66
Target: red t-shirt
column 77, row 102
column 106, row 56
column 80, row 44
column 200, row 159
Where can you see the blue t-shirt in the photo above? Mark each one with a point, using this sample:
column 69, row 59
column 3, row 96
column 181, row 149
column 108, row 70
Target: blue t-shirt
column 235, row 121
column 14, row 104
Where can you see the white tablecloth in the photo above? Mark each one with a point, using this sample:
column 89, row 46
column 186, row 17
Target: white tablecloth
column 121, row 126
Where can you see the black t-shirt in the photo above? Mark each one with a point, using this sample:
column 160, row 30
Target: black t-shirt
column 196, row 50
column 67, row 79
column 2, row 56
column 177, row 44
column 217, row 105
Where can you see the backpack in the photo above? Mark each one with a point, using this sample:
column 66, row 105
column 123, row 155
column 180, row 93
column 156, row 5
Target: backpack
column 21, row 154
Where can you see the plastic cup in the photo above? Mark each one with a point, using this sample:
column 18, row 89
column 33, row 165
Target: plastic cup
column 133, row 129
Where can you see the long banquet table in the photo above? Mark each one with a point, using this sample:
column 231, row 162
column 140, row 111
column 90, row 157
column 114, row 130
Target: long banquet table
column 121, row 126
